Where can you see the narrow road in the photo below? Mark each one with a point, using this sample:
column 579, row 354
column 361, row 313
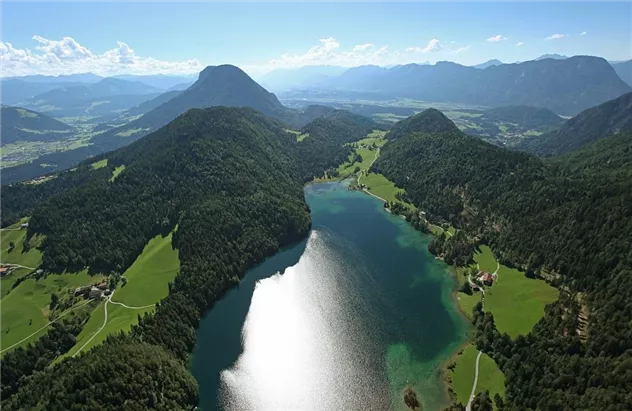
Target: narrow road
column 468, row 407
column 377, row 154
column 41, row 328
column 18, row 266
column 131, row 307
column 105, row 321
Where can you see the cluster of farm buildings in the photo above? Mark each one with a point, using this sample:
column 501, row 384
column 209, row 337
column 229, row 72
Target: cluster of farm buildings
column 93, row 291
column 484, row 278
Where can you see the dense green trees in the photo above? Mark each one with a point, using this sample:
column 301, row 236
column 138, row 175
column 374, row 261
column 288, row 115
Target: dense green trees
column 571, row 216
column 231, row 180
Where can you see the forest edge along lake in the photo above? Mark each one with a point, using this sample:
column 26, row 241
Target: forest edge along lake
column 347, row 319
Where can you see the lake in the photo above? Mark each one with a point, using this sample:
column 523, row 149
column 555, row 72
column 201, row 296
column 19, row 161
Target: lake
column 342, row 321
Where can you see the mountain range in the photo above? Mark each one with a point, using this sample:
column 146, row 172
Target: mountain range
column 565, row 86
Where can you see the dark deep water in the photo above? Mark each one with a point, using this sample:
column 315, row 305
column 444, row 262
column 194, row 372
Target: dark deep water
column 342, row 321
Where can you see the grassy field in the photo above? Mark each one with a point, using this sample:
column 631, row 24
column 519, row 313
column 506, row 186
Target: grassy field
column 489, row 375
column 147, row 283
column 31, row 258
column 118, row 170
column 100, row 164
column 516, row 301
column 26, row 307
column 485, row 259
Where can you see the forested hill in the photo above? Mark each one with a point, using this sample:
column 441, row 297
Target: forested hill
column 572, row 216
column 20, row 124
column 535, row 118
column 428, row 121
column 231, row 180
column 606, row 119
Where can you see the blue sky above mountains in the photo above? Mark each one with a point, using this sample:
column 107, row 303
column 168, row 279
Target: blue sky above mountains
column 175, row 38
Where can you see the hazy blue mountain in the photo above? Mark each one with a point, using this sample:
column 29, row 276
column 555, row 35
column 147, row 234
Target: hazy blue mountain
column 107, row 96
column 565, row 86
column 308, row 76
column 223, row 85
column 607, row 119
column 181, row 86
column 160, row 81
column 67, row 78
column 551, row 56
column 20, row 124
column 14, row 91
column 488, row 63
column 624, row 70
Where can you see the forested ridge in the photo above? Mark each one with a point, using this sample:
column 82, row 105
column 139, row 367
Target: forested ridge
column 231, row 180
column 569, row 218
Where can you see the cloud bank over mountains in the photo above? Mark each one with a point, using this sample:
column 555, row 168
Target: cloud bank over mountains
column 67, row 56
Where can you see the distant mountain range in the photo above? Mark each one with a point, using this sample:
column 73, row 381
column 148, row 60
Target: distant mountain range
column 624, row 70
column 607, row 119
column 565, row 86
column 489, row 63
column 20, row 124
column 106, row 96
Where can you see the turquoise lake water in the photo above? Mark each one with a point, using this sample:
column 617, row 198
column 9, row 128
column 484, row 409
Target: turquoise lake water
column 342, row 321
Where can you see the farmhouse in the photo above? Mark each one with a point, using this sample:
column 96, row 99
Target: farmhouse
column 24, row 225
column 486, row 278
column 4, row 270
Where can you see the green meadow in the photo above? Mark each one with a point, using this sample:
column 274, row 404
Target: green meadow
column 25, row 309
column 118, row 170
column 99, row 164
column 147, row 283
column 516, row 301
column 489, row 375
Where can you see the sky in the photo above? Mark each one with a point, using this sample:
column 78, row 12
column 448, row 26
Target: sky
column 180, row 38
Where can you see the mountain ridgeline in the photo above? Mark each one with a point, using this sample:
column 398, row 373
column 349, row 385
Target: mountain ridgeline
column 570, row 216
column 230, row 180
column 610, row 118
column 20, row 124
column 565, row 86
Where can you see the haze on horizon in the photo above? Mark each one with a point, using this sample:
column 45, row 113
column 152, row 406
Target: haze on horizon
column 58, row 39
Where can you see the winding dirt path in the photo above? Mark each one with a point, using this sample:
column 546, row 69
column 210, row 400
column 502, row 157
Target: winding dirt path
column 468, row 407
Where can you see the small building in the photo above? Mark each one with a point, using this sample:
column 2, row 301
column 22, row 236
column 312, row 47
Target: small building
column 102, row 286
column 24, row 225
column 486, row 278
column 95, row 293
column 474, row 286
column 4, row 270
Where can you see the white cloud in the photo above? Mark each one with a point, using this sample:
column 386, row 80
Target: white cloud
column 555, row 36
column 363, row 47
column 520, row 44
column 496, row 38
column 583, row 33
column 67, row 56
column 432, row 46
column 329, row 51
column 460, row 50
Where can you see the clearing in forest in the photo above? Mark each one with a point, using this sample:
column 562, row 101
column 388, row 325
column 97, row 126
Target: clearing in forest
column 146, row 283
column 490, row 377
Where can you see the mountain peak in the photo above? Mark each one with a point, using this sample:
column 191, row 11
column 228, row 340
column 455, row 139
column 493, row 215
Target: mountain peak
column 430, row 121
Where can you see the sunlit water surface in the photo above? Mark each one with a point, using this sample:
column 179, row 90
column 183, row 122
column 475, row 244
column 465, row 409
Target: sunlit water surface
column 343, row 321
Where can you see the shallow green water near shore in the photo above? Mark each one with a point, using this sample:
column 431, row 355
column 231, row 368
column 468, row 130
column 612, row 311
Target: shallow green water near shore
column 343, row 321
